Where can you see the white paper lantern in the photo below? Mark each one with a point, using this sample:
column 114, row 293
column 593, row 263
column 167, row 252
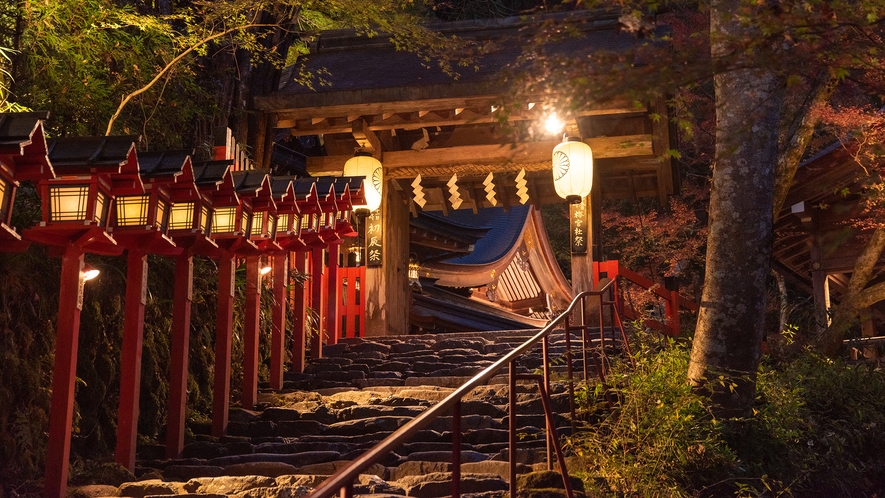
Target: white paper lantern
column 367, row 166
column 573, row 170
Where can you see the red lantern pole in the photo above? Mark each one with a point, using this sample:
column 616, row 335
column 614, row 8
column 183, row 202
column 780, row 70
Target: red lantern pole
column 278, row 318
column 316, row 280
column 250, row 333
column 299, row 309
column 67, row 332
column 130, row 371
column 223, row 335
column 181, row 331
column 332, row 284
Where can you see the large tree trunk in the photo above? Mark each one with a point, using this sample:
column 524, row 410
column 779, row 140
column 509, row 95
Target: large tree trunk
column 728, row 338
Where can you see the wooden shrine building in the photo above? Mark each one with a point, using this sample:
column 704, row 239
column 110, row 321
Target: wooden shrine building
column 443, row 142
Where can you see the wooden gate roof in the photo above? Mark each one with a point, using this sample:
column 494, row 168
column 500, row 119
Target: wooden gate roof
column 420, row 121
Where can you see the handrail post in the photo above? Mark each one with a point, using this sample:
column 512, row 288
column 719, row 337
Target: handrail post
column 456, row 449
column 551, row 424
column 570, row 370
column 545, row 347
column 584, row 340
column 347, row 491
column 512, row 427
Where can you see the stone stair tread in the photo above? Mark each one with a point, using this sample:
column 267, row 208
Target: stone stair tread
column 357, row 394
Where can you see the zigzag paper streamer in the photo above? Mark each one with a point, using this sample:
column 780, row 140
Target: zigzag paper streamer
column 522, row 189
column 490, row 189
column 455, row 198
column 418, row 192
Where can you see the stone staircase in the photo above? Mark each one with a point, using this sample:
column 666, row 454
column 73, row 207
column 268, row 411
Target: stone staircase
column 358, row 393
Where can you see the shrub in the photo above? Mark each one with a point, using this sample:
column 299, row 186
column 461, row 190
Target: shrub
column 816, row 431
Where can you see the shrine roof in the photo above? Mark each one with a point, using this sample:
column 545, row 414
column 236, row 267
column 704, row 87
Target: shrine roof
column 351, row 63
column 504, row 230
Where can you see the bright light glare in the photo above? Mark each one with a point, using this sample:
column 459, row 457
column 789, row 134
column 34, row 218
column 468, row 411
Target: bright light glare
column 89, row 273
column 264, row 270
column 553, row 124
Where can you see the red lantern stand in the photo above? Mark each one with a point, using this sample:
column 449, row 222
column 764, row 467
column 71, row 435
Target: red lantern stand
column 22, row 158
column 331, row 233
column 230, row 231
column 348, row 307
column 288, row 222
column 139, row 221
column 255, row 185
column 323, row 226
column 189, row 227
column 308, row 202
column 75, row 208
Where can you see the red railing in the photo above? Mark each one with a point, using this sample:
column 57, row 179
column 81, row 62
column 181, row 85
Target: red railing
column 341, row 482
column 673, row 301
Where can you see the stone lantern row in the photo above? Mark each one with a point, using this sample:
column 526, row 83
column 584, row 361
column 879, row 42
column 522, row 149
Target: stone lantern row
column 99, row 195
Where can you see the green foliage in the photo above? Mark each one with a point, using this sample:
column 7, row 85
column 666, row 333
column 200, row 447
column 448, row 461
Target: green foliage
column 816, row 431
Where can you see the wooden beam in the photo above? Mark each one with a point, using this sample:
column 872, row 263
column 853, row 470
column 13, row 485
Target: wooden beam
column 532, row 152
column 366, row 138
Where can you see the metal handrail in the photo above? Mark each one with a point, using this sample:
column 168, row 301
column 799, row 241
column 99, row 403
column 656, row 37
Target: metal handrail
column 344, row 478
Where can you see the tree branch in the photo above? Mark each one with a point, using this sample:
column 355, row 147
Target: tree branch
column 168, row 67
column 799, row 135
column 856, row 297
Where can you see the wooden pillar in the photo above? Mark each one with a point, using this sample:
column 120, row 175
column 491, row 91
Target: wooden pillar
column 820, row 288
column 299, row 315
column 130, row 372
column 868, row 329
column 316, row 302
column 251, row 328
column 387, row 294
column 278, row 319
column 582, row 264
column 333, row 315
column 223, row 334
column 61, row 411
column 181, row 332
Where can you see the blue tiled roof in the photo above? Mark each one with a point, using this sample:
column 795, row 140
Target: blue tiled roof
column 506, row 228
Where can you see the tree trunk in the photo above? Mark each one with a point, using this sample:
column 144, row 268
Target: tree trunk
column 728, row 338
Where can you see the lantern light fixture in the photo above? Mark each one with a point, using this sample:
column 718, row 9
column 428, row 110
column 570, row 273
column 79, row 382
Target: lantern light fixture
column 572, row 169
column 264, row 270
column 553, row 124
column 89, row 272
column 363, row 164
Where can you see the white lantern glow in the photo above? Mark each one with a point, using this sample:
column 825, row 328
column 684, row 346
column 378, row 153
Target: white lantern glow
column 573, row 170
column 363, row 164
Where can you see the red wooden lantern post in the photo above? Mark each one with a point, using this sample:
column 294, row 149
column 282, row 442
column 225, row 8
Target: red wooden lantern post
column 139, row 221
column 323, row 225
column 308, row 205
column 189, row 226
column 231, row 221
column 288, row 224
column 22, row 157
column 255, row 185
column 75, row 213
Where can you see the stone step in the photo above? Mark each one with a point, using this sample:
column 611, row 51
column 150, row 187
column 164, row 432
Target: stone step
column 353, row 397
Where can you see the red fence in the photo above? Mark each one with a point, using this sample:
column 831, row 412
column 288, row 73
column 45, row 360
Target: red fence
column 673, row 302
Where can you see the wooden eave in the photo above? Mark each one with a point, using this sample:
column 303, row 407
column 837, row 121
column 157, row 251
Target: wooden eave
column 23, row 150
column 382, row 111
column 255, row 185
column 284, row 194
column 822, row 202
column 215, row 181
column 306, row 195
column 97, row 156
